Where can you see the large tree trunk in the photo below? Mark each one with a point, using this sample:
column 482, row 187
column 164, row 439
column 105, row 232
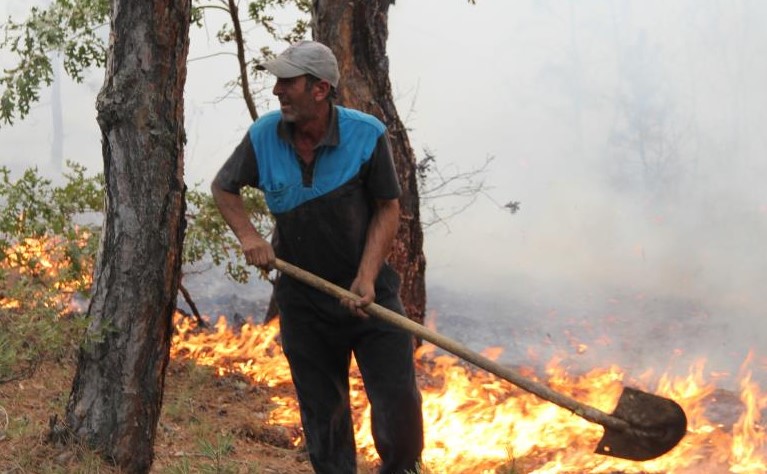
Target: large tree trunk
column 117, row 390
column 357, row 31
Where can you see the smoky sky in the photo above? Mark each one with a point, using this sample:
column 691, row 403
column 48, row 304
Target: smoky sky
column 632, row 133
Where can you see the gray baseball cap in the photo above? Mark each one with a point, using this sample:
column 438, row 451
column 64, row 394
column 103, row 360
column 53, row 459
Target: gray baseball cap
column 305, row 57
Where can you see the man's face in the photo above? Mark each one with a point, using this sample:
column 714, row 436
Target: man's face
column 297, row 102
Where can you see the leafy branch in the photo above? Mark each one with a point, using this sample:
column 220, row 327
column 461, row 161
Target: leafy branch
column 77, row 30
column 68, row 27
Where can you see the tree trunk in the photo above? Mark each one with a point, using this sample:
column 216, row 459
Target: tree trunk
column 117, row 390
column 357, row 31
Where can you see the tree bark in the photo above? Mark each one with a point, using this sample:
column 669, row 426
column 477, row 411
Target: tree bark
column 117, row 390
column 357, row 31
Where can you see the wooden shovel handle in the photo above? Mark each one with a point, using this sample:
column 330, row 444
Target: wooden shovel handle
column 584, row 411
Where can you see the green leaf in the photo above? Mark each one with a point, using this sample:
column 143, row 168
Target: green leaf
column 76, row 28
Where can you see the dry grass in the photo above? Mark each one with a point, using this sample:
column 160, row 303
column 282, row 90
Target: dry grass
column 209, row 424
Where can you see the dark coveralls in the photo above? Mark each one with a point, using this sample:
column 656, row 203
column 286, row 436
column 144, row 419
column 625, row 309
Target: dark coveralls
column 322, row 213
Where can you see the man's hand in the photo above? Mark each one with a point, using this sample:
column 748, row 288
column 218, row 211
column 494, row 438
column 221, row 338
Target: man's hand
column 366, row 290
column 258, row 252
column 381, row 232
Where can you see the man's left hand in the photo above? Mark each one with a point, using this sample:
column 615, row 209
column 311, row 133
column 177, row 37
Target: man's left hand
column 367, row 294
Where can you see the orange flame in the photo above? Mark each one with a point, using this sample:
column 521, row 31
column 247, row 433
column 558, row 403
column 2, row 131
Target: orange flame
column 475, row 422
column 43, row 259
column 478, row 423
column 748, row 435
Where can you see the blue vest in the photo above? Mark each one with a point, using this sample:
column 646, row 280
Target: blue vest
column 279, row 169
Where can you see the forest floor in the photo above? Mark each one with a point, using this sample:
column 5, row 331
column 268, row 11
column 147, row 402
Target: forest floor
column 208, row 424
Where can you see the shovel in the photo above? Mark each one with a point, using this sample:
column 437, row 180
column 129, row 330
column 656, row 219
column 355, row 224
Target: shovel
column 642, row 427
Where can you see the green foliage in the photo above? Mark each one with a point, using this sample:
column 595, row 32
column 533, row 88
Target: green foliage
column 215, row 457
column 44, row 239
column 34, row 210
column 67, row 27
column 32, row 336
column 217, row 453
column 49, row 238
column 77, row 30
column 262, row 12
column 182, row 466
column 46, row 258
column 207, row 234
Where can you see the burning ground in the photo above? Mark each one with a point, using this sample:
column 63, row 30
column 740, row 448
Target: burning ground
column 229, row 404
column 476, row 423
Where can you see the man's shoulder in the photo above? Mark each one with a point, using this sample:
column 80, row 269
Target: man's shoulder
column 267, row 121
column 356, row 118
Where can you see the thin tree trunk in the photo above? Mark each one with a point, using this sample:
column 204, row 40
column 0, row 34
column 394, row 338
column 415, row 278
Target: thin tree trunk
column 357, row 31
column 117, row 391
column 234, row 14
column 57, row 118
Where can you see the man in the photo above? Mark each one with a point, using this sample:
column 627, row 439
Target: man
column 329, row 179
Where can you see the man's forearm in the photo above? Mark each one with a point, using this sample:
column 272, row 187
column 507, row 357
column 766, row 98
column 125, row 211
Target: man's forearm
column 233, row 211
column 380, row 236
column 256, row 250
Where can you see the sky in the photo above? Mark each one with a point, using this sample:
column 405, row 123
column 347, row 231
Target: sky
column 631, row 132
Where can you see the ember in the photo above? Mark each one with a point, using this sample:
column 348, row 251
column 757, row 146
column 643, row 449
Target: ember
column 478, row 423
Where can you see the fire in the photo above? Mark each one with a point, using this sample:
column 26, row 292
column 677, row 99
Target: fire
column 478, row 423
column 748, row 434
column 41, row 260
column 475, row 422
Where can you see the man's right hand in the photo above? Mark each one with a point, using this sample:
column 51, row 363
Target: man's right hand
column 258, row 252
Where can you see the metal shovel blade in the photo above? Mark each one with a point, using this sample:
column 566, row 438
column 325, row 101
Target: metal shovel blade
column 654, row 426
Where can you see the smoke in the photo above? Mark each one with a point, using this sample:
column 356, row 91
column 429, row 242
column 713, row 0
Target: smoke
column 631, row 132
column 633, row 135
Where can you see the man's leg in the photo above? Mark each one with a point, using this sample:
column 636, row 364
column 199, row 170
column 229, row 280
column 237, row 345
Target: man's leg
column 385, row 358
column 319, row 363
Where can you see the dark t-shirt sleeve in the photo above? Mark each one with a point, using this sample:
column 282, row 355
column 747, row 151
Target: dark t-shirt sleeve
column 381, row 176
column 240, row 169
